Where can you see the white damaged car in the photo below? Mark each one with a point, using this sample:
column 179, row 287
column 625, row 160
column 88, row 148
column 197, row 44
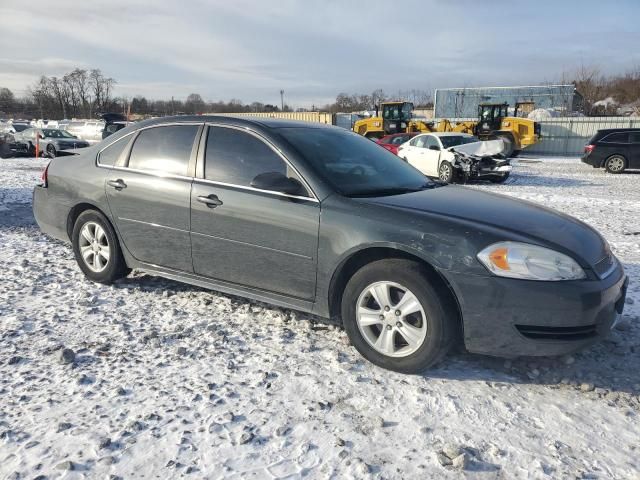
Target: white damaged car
column 454, row 156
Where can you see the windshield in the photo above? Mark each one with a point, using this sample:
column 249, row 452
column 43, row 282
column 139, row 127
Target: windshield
column 353, row 165
column 455, row 140
column 54, row 133
column 18, row 127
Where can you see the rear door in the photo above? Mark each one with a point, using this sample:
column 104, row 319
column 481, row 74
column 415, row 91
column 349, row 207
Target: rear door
column 250, row 237
column 634, row 155
column 149, row 194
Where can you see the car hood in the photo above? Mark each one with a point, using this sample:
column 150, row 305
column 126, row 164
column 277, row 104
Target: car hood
column 543, row 225
column 482, row 149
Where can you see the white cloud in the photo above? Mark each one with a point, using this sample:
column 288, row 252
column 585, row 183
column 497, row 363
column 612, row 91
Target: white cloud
column 313, row 49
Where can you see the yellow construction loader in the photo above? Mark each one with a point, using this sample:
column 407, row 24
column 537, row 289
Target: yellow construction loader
column 493, row 123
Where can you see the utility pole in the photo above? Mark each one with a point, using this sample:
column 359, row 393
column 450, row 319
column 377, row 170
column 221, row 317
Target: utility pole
column 282, row 100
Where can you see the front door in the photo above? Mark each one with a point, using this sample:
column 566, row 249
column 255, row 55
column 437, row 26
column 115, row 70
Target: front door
column 150, row 196
column 246, row 236
column 423, row 157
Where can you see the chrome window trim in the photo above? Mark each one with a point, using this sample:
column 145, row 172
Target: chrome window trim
column 159, row 174
column 252, row 189
column 272, row 147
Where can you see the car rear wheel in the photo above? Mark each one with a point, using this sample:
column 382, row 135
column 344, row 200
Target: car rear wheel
column 445, row 172
column 395, row 317
column 615, row 164
column 51, row 151
column 96, row 248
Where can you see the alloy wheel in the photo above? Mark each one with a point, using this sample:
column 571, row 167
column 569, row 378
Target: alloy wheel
column 616, row 164
column 94, row 246
column 391, row 319
column 445, row 172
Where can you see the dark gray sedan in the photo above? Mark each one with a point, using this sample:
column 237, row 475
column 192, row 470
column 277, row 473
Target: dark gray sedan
column 320, row 219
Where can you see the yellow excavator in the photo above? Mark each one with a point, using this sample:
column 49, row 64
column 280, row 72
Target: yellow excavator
column 493, row 123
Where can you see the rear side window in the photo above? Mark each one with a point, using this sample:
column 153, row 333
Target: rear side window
column 616, row 138
column 164, row 149
column 237, row 157
column 109, row 156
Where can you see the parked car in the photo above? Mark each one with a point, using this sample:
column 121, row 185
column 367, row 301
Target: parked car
column 447, row 156
column 614, row 149
column 392, row 142
column 88, row 130
column 320, row 219
column 51, row 142
column 7, row 145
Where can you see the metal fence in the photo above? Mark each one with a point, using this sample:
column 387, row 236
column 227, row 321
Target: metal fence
column 560, row 136
column 569, row 135
column 314, row 117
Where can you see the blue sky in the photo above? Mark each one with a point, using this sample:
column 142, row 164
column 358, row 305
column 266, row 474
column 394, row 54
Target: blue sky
column 313, row 49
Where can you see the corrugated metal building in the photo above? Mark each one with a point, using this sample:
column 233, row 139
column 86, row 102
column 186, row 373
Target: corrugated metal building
column 463, row 102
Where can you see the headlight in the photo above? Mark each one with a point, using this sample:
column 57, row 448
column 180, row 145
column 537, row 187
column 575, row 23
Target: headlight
column 521, row 260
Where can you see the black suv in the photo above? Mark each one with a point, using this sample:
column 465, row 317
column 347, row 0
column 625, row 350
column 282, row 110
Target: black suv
column 614, row 149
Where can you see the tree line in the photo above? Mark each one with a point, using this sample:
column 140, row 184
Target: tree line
column 84, row 93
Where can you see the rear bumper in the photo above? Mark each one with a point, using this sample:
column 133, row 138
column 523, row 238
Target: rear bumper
column 591, row 160
column 51, row 216
column 508, row 317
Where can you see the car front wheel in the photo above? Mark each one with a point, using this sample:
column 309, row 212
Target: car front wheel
column 96, row 248
column 445, row 172
column 395, row 317
column 51, row 151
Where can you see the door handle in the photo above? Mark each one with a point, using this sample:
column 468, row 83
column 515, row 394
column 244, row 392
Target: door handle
column 211, row 201
column 117, row 184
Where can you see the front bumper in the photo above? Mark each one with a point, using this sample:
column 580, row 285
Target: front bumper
column 509, row 317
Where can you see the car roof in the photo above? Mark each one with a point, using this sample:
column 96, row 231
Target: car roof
column 448, row 134
column 622, row 130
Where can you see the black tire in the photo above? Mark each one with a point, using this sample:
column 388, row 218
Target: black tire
column 499, row 178
column 115, row 267
column 446, row 172
column 615, row 164
column 441, row 316
column 51, row 151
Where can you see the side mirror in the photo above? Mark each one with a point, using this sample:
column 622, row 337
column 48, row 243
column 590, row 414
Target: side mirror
column 277, row 182
column 434, row 147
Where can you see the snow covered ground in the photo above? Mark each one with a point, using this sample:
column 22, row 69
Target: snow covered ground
column 167, row 380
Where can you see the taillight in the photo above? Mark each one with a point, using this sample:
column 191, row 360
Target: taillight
column 44, row 178
column 589, row 148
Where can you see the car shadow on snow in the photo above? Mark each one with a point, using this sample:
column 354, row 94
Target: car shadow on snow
column 609, row 366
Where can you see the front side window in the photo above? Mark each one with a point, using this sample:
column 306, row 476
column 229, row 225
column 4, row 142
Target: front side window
column 237, row 158
column 634, row 137
column 165, row 149
column 431, row 142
